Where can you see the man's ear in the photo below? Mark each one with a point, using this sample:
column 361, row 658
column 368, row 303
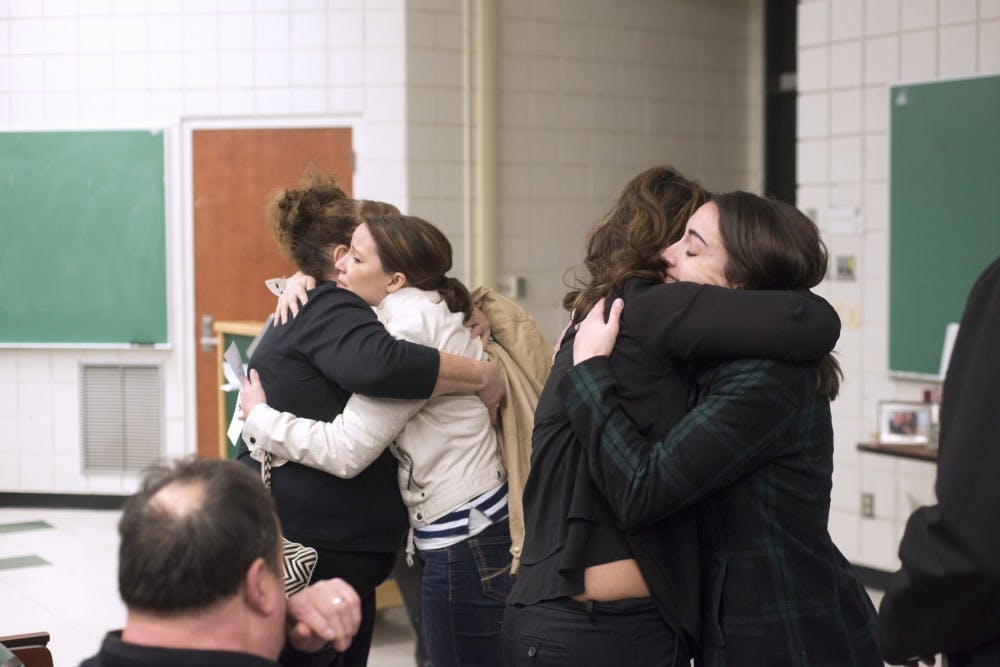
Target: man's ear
column 397, row 281
column 263, row 589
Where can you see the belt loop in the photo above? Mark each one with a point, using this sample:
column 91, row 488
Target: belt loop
column 590, row 611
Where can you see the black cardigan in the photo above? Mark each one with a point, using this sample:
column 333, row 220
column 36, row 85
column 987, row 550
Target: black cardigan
column 310, row 367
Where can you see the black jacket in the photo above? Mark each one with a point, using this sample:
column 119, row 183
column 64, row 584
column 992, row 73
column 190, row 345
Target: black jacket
column 310, row 367
column 945, row 596
column 117, row 653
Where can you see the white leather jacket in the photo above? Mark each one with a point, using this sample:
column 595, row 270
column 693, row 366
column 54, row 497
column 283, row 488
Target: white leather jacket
column 446, row 446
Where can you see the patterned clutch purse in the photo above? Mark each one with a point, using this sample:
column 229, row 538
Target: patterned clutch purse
column 299, row 560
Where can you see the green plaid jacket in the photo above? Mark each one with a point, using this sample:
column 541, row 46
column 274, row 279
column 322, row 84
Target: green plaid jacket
column 755, row 457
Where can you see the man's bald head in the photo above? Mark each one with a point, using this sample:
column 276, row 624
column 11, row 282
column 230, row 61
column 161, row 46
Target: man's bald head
column 179, row 498
column 189, row 535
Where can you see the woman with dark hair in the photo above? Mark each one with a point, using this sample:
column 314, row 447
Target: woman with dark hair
column 753, row 458
column 588, row 592
column 310, row 366
column 450, row 472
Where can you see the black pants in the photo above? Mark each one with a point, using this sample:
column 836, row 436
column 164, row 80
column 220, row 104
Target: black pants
column 624, row 633
column 984, row 655
column 364, row 570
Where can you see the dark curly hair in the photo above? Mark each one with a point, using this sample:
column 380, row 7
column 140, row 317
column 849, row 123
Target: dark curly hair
column 308, row 223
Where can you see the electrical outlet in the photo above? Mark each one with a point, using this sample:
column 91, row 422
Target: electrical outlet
column 868, row 505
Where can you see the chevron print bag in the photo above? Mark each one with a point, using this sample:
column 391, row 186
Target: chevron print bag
column 299, row 560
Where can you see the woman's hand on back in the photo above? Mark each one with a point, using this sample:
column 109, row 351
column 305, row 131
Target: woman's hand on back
column 479, row 326
column 594, row 336
column 493, row 392
column 294, row 294
column 251, row 393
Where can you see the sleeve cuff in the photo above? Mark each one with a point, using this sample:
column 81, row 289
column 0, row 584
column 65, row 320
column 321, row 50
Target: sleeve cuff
column 256, row 425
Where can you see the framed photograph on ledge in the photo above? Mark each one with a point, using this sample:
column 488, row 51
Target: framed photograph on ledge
column 903, row 423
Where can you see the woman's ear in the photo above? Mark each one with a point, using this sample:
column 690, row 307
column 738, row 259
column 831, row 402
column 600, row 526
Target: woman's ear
column 397, row 281
column 339, row 251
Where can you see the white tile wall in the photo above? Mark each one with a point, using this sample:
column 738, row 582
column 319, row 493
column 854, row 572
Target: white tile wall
column 67, row 64
column 850, row 51
column 845, row 529
column 589, row 94
column 958, row 52
column 918, row 55
column 989, row 46
column 848, row 19
column 919, row 13
column 813, row 23
column 845, row 112
column 878, row 544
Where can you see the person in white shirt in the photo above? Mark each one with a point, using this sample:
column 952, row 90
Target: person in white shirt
column 451, row 476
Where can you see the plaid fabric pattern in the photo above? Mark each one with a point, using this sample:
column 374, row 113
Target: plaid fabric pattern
column 755, row 456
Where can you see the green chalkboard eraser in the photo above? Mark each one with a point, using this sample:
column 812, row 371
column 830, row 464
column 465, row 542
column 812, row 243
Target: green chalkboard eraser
column 141, row 343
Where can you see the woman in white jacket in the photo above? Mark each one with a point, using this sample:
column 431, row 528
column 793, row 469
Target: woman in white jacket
column 451, row 476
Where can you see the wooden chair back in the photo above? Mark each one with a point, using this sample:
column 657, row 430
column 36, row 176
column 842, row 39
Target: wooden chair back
column 31, row 648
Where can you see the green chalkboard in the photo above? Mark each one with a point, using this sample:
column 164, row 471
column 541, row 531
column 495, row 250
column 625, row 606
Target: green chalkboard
column 944, row 213
column 83, row 249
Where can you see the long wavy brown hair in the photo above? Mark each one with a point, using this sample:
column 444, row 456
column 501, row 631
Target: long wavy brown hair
column 649, row 215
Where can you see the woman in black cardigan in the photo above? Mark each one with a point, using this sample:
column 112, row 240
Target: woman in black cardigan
column 589, row 593
column 310, row 366
column 753, row 458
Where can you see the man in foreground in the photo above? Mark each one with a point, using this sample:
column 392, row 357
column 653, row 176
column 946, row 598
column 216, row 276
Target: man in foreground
column 200, row 574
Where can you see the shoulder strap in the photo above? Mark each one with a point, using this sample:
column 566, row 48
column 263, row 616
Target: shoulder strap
column 265, row 470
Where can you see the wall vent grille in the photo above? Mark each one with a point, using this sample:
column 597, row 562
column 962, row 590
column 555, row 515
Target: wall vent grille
column 121, row 408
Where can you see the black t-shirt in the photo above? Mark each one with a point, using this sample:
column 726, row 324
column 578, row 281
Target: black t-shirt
column 310, row 367
column 569, row 524
column 117, row 653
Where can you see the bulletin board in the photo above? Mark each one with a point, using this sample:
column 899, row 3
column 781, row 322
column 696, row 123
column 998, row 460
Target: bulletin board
column 83, row 249
column 944, row 212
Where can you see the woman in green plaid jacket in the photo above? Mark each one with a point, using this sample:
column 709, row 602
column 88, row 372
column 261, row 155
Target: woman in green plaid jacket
column 754, row 457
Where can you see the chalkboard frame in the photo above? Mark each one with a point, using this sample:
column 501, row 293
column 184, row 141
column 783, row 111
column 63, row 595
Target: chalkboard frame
column 117, row 295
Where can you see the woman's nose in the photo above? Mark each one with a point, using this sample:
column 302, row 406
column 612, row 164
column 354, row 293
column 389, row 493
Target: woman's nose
column 668, row 254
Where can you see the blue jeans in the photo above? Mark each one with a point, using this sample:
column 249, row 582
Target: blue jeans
column 464, row 591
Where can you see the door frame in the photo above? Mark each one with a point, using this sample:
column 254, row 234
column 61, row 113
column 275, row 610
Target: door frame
column 184, row 305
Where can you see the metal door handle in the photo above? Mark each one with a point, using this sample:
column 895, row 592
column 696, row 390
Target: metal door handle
column 208, row 339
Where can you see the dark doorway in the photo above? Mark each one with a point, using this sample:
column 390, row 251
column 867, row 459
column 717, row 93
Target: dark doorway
column 780, row 99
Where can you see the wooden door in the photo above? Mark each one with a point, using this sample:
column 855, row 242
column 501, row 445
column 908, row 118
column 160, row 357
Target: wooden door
column 235, row 172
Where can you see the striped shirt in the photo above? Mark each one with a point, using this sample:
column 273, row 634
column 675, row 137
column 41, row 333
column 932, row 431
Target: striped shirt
column 464, row 521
